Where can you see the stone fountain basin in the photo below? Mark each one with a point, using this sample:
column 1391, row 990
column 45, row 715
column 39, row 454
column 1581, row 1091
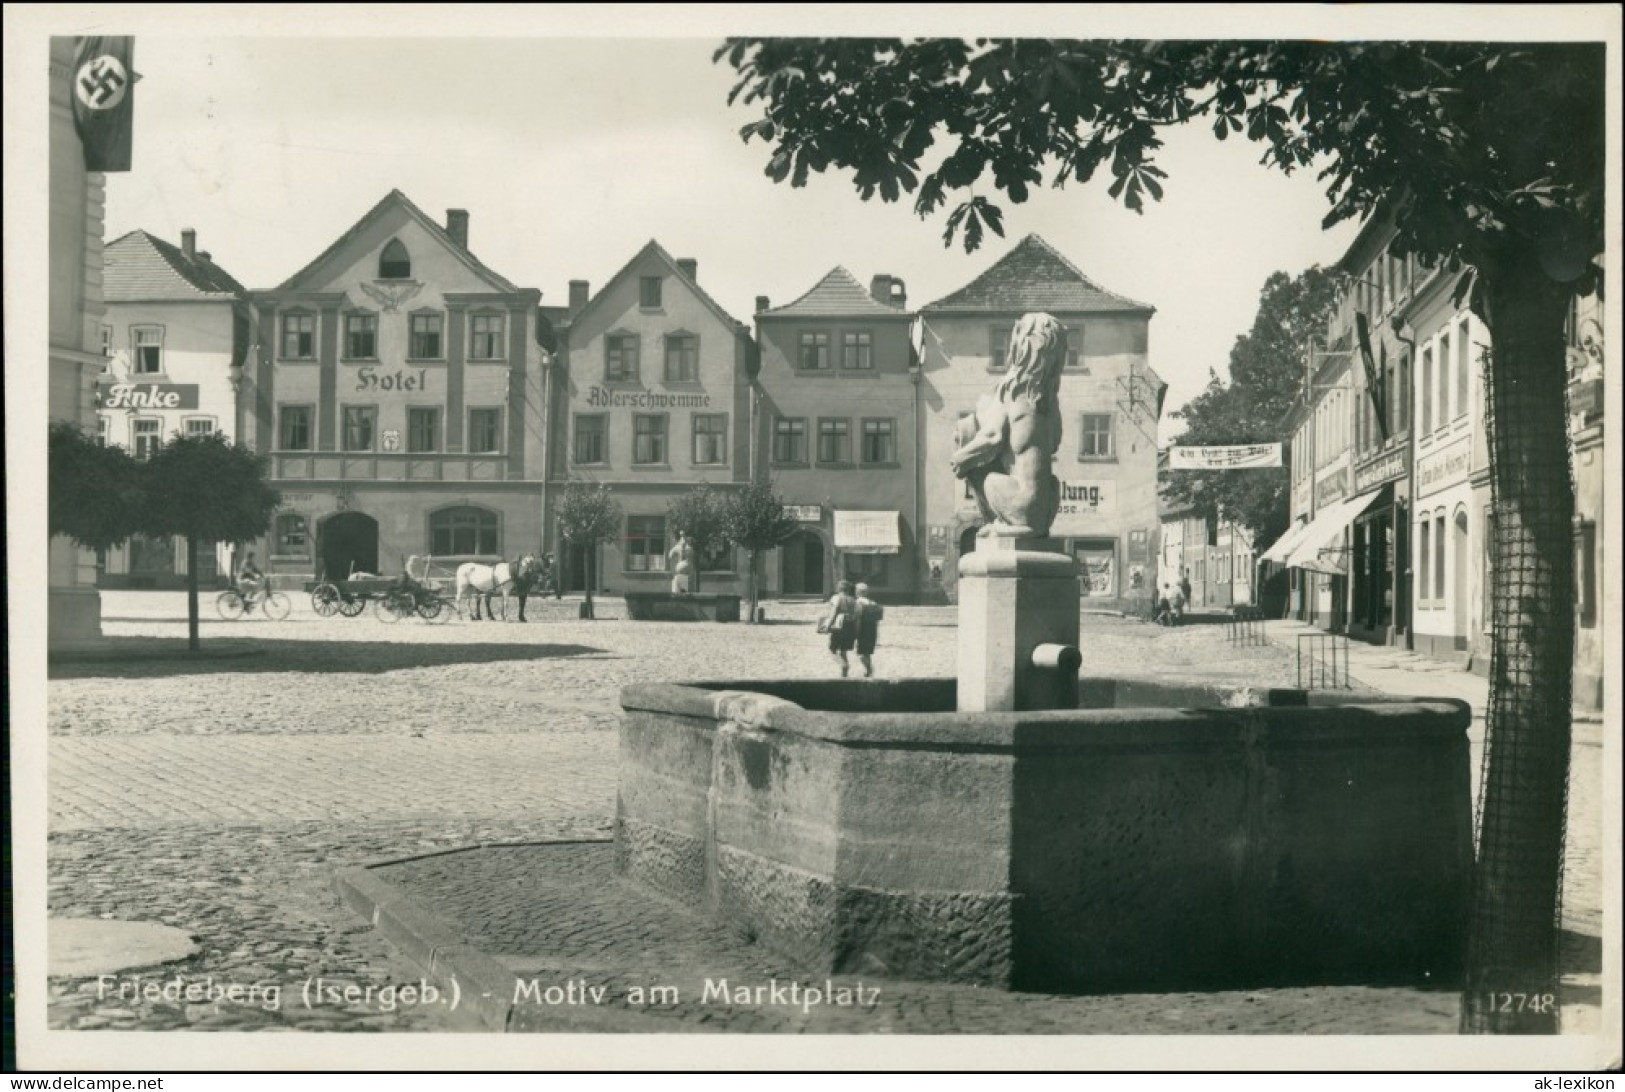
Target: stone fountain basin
column 1162, row 836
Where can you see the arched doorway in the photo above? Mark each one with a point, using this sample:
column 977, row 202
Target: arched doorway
column 1459, row 555
column 801, row 565
column 347, row 542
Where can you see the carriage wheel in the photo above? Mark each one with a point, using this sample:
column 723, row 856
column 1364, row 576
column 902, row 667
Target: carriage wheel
column 390, row 609
column 350, row 606
column 276, row 606
column 324, row 600
column 229, row 605
column 431, row 610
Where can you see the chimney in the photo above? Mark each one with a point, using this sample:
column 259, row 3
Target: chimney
column 578, row 296
column 189, row 242
column 762, row 304
column 880, row 288
column 457, row 226
column 899, row 294
column 204, row 254
column 689, row 268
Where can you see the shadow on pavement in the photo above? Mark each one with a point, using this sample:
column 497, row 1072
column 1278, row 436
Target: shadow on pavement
column 1579, row 953
column 165, row 657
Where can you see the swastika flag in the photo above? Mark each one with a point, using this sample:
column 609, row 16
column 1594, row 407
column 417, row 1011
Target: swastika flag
column 103, row 85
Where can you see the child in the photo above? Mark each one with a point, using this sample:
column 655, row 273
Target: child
column 869, row 615
column 841, row 623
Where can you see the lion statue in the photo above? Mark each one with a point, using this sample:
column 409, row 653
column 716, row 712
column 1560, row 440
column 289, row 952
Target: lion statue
column 1006, row 447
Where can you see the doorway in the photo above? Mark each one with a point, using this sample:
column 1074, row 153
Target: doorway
column 576, row 556
column 801, row 565
column 347, row 543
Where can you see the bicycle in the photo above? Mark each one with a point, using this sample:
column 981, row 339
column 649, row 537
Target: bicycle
column 232, row 604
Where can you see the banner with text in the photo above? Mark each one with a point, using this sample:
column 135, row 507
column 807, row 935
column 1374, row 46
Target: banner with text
column 1234, row 457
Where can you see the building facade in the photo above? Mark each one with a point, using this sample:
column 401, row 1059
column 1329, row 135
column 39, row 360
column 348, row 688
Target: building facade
column 655, row 401
column 176, row 333
column 399, row 388
column 1586, row 393
column 1316, row 547
column 838, row 432
column 1110, row 397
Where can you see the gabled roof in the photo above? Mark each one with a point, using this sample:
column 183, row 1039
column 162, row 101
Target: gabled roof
column 652, row 247
column 838, row 294
column 139, row 266
column 1034, row 277
column 397, row 199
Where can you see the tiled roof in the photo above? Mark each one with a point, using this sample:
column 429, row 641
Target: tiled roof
column 1034, row 277
column 839, row 293
column 396, row 197
column 139, row 266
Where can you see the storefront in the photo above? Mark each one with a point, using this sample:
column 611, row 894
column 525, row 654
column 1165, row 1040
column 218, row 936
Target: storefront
column 1377, row 601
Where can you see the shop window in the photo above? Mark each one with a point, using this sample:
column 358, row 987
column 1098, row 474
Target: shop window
column 464, row 532
column 1424, row 558
column 717, row 557
column 872, row 569
column 292, row 537
column 645, row 550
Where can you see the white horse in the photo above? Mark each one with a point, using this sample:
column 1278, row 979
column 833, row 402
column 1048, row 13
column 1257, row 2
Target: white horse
column 484, row 581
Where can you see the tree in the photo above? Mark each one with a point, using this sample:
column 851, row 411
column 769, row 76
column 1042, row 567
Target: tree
column 699, row 514
column 206, row 489
column 1266, row 374
column 1491, row 158
column 587, row 515
column 96, row 491
column 754, row 518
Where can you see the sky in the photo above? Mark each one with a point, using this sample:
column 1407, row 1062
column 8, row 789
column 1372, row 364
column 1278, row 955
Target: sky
column 570, row 154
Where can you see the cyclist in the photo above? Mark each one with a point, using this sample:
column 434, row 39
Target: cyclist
column 250, row 581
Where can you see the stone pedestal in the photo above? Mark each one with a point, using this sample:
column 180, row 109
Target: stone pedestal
column 1014, row 595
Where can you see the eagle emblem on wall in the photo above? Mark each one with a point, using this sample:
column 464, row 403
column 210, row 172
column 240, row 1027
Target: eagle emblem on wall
column 392, row 295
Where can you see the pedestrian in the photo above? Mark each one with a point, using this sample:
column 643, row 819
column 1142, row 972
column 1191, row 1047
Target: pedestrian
column 1165, row 606
column 1185, row 586
column 682, row 565
column 869, row 615
column 841, row 623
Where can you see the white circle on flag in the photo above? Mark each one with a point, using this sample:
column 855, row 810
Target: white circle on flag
column 102, row 82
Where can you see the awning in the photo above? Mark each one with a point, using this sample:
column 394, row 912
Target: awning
column 1277, row 554
column 1313, row 551
column 868, row 532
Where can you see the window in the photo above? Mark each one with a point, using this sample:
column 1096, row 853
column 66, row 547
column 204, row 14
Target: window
column 485, row 332
column 394, row 263
column 360, row 425
column 1425, row 421
column 145, row 437
column 148, row 342
column 717, row 557
column 682, row 358
column 869, row 568
column 423, row 429
column 834, row 440
column 1095, row 436
column 814, row 351
column 1585, row 573
column 621, row 358
column 361, row 337
column 107, row 341
column 461, row 532
column 1463, row 363
column 293, row 432
column 645, row 544
column 1074, row 349
column 857, row 350
column 425, row 342
column 198, row 426
column 592, row 439
column 879, row 441
column 998, row 339
column 1486, row 584
column 1399, row 399
column 299, row 337
column 1423, row 558
column 1438, row 558
column 484, row 431
column 104, row 426
column 710, row 439
column 292, row 536
column 1444, row 379
column 649, row 439
column 649, row 292
column 790, row 440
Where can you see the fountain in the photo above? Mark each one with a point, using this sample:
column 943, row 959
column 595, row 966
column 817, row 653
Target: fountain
column 1018, row 827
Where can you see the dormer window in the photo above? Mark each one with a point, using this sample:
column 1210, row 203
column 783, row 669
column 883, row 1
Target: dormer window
column 394, row 263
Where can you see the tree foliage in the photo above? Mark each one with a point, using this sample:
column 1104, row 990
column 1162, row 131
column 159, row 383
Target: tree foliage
column 701, row 515
column 587, row 515
column 96, row 491
column 754, row 518
column 1266, row 376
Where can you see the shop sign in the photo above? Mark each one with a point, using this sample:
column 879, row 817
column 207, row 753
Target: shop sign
column 146, row 396
column 372, row 379
column 1445, row 467
column 1081, row 502
column 1331, row 489
column 646, row 399
column 1389, row 466
column 805, row 513
column 1232, row 457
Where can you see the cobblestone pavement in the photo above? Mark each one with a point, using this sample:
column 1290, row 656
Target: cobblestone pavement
column 217, row 794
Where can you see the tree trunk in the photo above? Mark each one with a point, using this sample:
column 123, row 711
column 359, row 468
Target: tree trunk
column 191, row 594
column 589, row 566
column 1512, row 956
column 750, row 583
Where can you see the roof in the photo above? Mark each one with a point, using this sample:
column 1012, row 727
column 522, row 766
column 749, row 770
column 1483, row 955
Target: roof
column 838, row 294
column 397, row 199
column 140, row 266
column 1034, row 276
column 653, row 247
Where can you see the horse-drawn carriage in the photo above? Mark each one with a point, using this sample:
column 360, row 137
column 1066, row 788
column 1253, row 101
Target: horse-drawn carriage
column 425, row 596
